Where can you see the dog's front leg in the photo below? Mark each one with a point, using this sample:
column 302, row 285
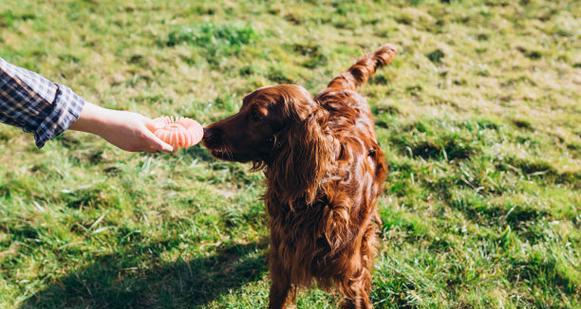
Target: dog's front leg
column 282, row 296
column 282, row 292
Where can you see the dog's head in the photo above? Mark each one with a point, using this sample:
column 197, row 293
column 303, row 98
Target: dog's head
column 253, row 134
column 277, row 127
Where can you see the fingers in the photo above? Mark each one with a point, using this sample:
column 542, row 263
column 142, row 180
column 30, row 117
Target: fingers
column 155, row 143
column 151, row 124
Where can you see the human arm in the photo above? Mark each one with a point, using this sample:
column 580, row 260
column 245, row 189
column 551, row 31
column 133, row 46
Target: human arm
column 126, row 130
column 47, row 109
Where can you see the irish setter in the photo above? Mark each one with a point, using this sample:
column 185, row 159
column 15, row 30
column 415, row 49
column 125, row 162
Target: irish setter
column 324, row 170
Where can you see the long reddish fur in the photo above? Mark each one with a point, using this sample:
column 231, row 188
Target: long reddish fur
column 323, row 182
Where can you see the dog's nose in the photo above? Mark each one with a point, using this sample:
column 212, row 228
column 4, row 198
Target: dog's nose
column 211, row 137
column 207, row 134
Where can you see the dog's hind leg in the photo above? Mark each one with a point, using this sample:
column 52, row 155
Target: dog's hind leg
column 355, row 285
column 356, row 291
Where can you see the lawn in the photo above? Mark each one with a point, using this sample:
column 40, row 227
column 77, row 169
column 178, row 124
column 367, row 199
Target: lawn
column 480, row 116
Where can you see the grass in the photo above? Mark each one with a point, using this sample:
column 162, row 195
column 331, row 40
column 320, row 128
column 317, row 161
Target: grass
column 479, row 115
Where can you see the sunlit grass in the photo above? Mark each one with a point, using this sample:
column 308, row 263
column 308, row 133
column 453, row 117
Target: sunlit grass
column 479, row 115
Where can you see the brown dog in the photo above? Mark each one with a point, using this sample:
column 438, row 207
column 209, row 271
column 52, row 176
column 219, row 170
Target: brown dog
column 324, row 171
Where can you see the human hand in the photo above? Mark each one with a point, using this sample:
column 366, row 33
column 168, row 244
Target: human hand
column 126, row 130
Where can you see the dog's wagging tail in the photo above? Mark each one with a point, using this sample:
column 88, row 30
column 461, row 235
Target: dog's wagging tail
column 358, row 74
column 324, row 173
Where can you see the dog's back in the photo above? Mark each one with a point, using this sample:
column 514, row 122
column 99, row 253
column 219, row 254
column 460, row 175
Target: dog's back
column 351, row 120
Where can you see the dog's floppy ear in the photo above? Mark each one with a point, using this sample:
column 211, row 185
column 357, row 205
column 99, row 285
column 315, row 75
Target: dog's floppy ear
column 304, row 154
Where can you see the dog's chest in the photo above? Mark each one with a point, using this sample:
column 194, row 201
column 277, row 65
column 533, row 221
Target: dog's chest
column 299, row 221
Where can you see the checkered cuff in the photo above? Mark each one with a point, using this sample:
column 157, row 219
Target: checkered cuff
column 64, row 111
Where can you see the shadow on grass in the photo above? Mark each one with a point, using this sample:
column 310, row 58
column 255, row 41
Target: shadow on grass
column 118, row 281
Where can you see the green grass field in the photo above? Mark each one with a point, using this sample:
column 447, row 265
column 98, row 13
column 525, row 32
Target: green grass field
column 480, row 116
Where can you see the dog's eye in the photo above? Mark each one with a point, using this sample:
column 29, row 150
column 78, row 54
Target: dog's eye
column 256, row 116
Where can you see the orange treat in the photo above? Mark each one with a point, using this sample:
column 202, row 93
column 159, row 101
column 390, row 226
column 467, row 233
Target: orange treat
column 178, row 132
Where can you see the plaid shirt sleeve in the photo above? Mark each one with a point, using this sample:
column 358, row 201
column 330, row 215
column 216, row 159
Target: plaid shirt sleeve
column 35, row 104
